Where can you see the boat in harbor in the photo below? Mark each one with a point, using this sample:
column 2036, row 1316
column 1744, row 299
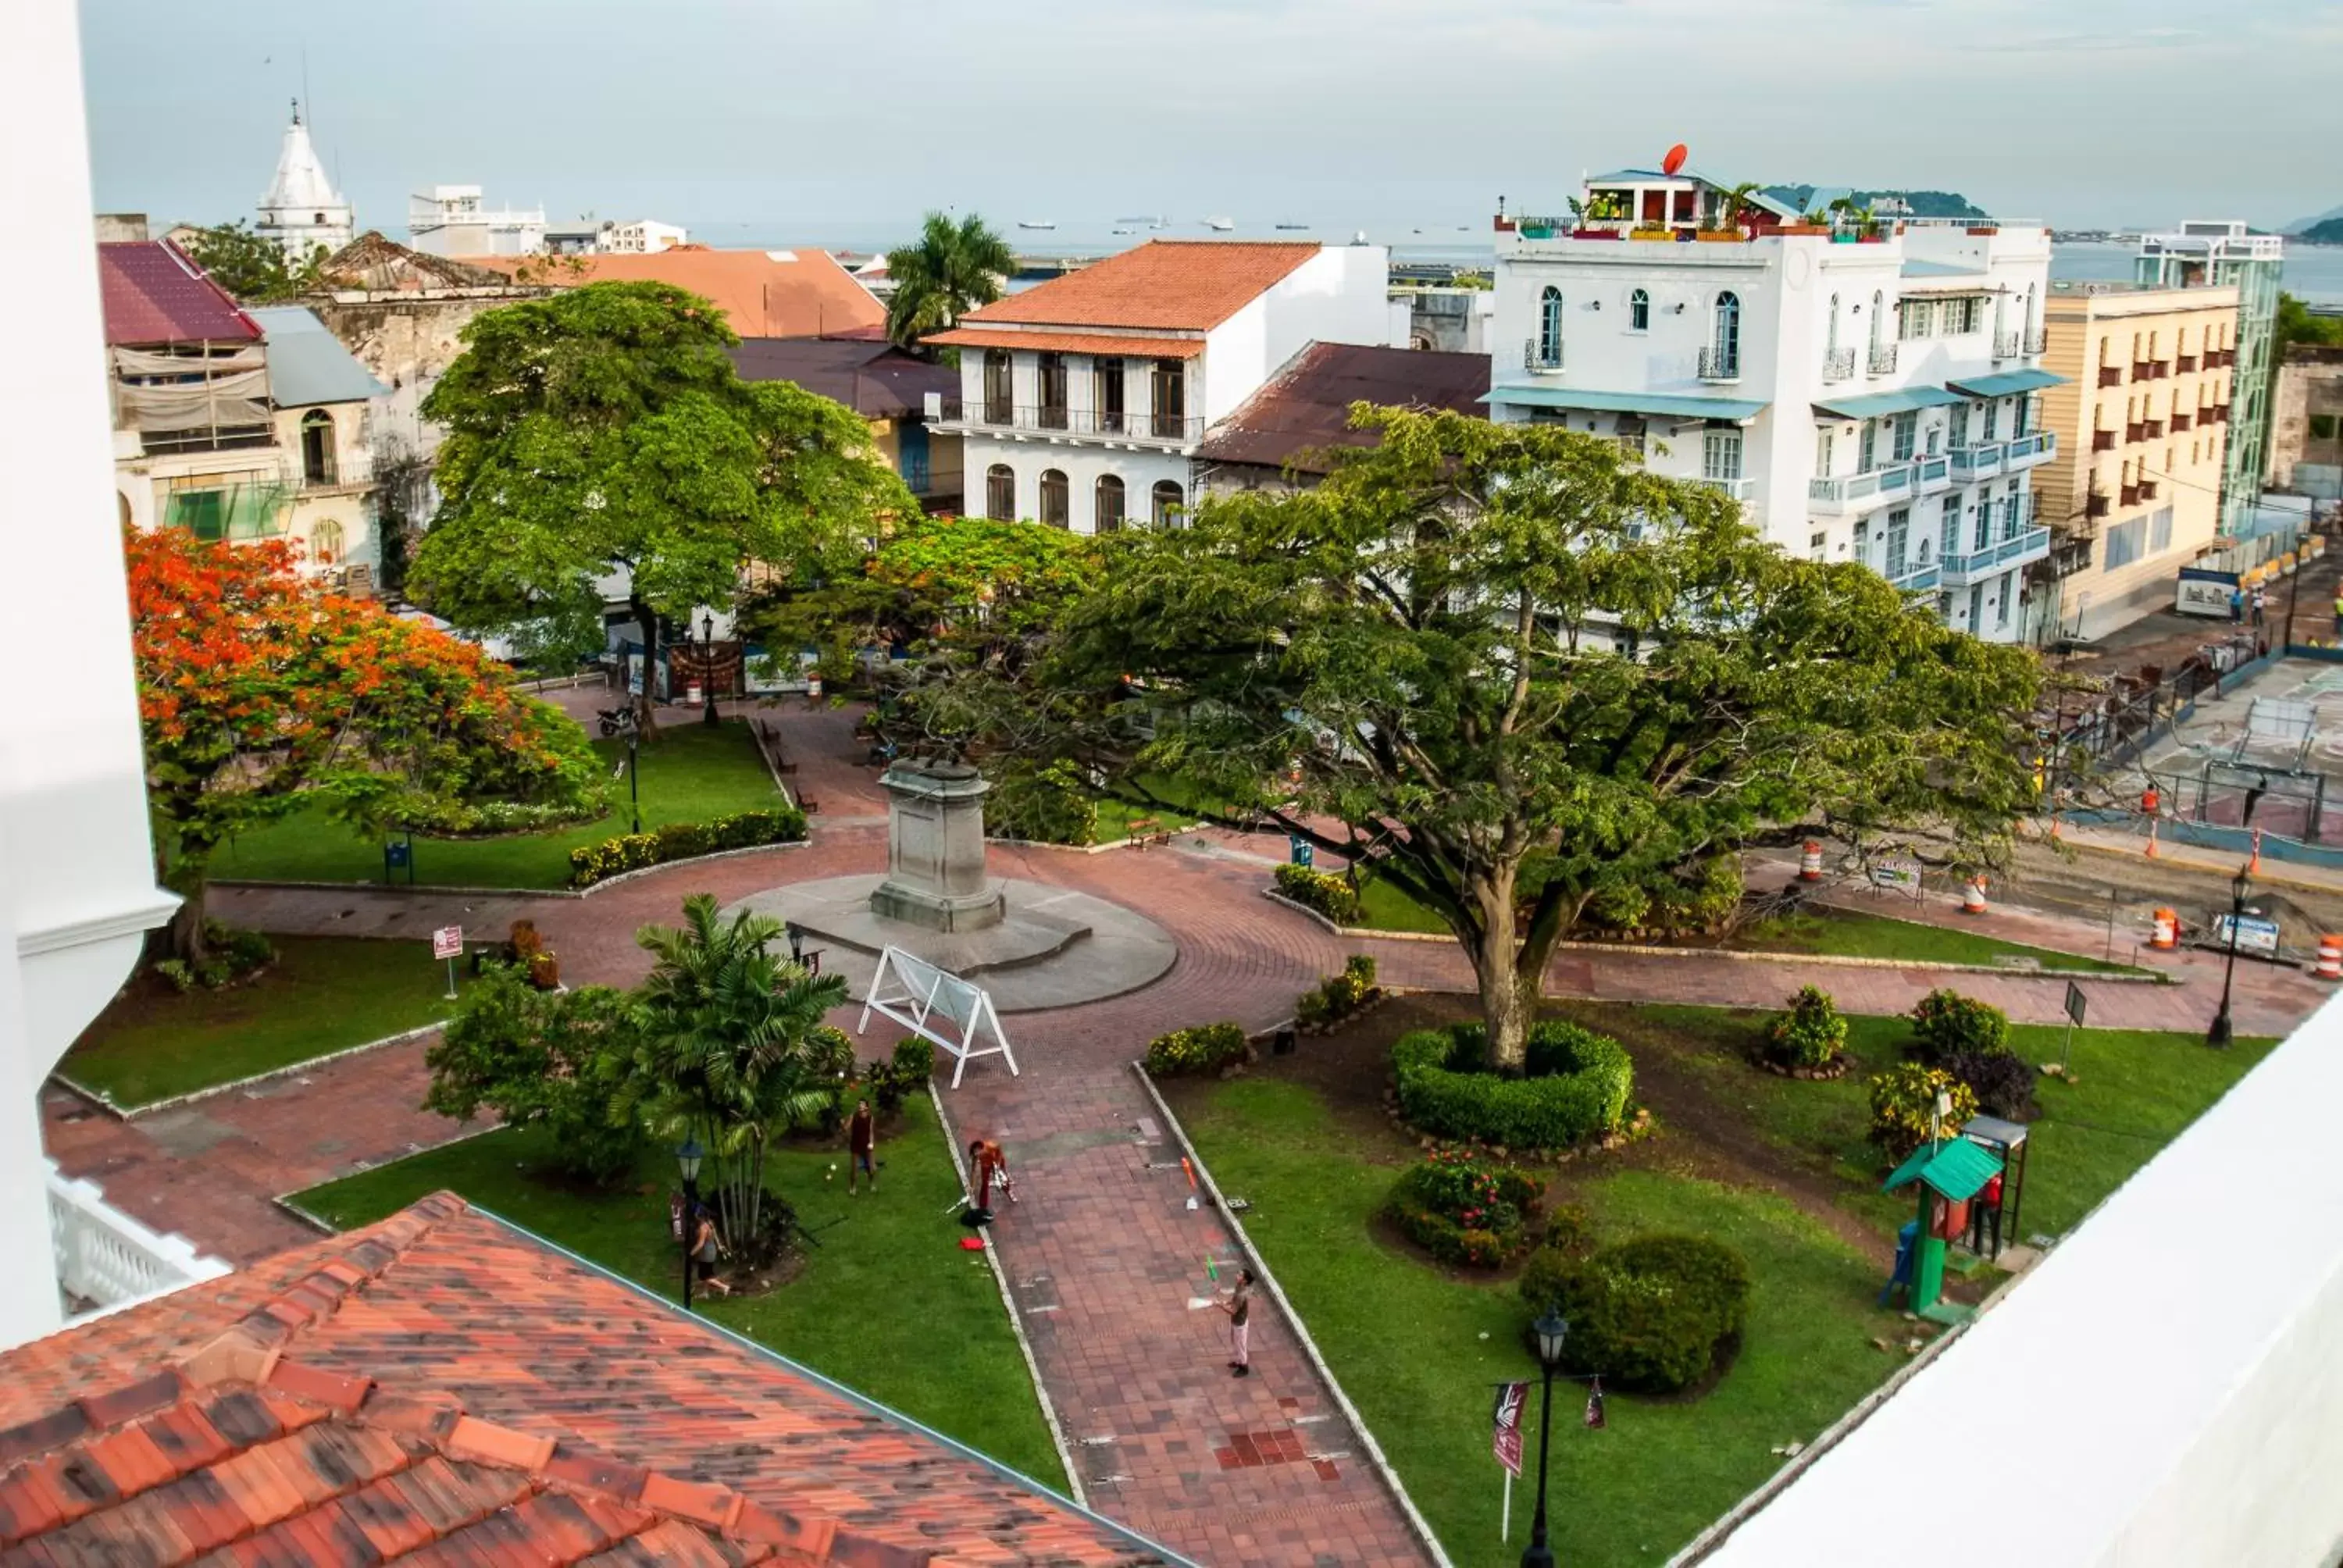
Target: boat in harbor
column 1143, row 223
column 1291, row 227
column 1037, row 223
column 1220, row 225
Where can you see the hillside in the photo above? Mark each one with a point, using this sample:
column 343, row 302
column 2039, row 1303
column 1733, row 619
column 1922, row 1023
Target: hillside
column 1924, row 204
column 2325, row 231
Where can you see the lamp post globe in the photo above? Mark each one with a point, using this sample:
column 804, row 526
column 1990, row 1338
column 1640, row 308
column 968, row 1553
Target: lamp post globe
column 708, row 714
column 1549, row 1331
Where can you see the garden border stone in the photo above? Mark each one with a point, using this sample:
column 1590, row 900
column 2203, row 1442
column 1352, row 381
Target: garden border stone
column 462, row 889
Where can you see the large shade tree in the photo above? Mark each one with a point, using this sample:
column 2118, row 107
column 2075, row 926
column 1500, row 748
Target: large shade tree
column 950, row 270
column 1476, row 648
column 260, row 693
column 602, row 434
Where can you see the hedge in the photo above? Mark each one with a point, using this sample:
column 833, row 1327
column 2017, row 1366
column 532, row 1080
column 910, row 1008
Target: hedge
column 1323, row 891
column 1207, row 1049
column 1649, row 1314
column 682, row 841
column 1577, row 1086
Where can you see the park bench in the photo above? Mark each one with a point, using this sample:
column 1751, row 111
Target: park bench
column 1146, row 830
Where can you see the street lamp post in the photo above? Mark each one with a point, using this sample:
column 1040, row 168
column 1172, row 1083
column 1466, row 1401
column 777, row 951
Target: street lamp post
column 708, row 715
column 2223, row 1029
column 686, row 1161
column 634, row 769
column 1549, row 1331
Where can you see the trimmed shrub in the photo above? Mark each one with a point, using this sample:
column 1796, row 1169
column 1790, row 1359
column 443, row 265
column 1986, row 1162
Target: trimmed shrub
column 1206, row 1049
column 1464, row 1211
column 1811, row 1034
column 1323, row 892
column 1904, row 1104
column 1946, row 1023
column 1577, row 1086
column 681, row 841
column 1338, row 996
column 2002, row 1082
column 1567, row 1230
column 1650, row 1314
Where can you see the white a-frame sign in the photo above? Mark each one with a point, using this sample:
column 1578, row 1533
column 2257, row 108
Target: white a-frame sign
column 937, row 1006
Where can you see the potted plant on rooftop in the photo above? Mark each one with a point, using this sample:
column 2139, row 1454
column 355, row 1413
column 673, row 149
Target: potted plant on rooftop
column 1731, row 217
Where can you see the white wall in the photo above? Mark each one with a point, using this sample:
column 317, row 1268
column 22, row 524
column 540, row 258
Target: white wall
column 76, row 860
column 1341, row 295
column 1081, row 463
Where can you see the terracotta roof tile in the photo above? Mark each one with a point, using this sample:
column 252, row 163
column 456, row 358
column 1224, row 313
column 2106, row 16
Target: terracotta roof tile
column 762, row 293
column 1191, row 284
column 1070, row 342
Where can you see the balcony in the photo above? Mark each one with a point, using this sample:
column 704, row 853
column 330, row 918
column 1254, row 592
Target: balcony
column 2127, row 496
column 1914, row 579
column 1049, row 420
column 2135, row 433
column 1976, row 460
column 1838, row 364
column 2111, row 375
column 2096, row 505
column 1720, row 364
column 2185, row 363
column 2008, row 344
column 2027, row 545
column 2147, row 489
column 2143, row 369
column 1861, row 492
column 1743, row 489
column 2103, row 440
column 2037, row 343
column 2152, row 429
column 2181, row 423
column 1931, row 474
column 104, row 1259
column 1883, row 359
column 1540, row 357
column 2025, row 451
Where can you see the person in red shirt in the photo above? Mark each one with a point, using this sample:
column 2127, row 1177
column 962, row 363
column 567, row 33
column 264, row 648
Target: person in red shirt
column 861, row 1144
column 986, row 1166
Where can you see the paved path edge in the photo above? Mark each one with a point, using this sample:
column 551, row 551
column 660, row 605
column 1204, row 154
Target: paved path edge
column 1415, row 1519
column 107, row 1103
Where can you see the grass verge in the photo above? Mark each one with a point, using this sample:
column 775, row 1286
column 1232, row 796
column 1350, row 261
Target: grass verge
column 1842, row 933
column 321, row 995
column 887, row 1303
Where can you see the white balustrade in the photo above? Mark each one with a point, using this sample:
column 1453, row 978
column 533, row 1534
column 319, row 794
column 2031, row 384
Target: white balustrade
column 106, row 1257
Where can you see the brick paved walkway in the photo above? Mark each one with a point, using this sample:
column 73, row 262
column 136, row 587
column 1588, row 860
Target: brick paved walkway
column 1103, row 1253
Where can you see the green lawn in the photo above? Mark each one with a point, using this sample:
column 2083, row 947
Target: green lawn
column 1843, row 934
column 322, row 994
column 692, row 775
column 1417, row 1350
column 888, row 1304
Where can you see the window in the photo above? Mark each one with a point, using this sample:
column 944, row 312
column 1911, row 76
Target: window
column 1107, row 505
column 1053, row 497
column 2002, row 603
column 1866, row 456
column 1720, row 455
column 2124, row 542
column 1549, row 337
column 1632, row 433
column 1814, row 543
column 1168, row 386
column 2013, row 509
column 1981, row 521
column 1167, row 502
column 1000, row 395
column 1993, row 419
column 1976, row 609
column 326, row 543
column 1830, row 328
column 2159, row 531
column 1902, row 432
column 1911, row 318
column 1960, row 424
column 1106, row 399
column 1824, row 445
column 318, row 447
column 1639, row 311
column 1900, row 540
column 1728, row 334
column 1049, row 384
column 2322, row 427
column 1948, row 531
column 1001, row 492
column 1878, row 320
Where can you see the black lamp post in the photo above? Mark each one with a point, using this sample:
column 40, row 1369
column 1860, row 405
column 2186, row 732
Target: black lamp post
column 687, row 1161
column 634, row 769
column 2223, row 1029
column 708, row 715
column 1550, row 1329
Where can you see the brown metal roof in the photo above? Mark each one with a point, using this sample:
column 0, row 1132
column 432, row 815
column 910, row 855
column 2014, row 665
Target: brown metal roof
column 1306, row 408
column 876, row 381
column 153, row 293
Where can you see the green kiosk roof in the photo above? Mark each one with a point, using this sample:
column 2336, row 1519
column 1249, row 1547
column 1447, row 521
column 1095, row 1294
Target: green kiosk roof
column 1954, row 1171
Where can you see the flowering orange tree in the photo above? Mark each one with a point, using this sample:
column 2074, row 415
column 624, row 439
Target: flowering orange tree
column 260, row 692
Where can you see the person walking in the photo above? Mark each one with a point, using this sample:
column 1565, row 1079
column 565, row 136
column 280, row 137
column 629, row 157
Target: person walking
column 707, row 1247
column 2339, row 612
column 986, row 1165
column 861, row 1144
column 2237, row 605
column 2261, row 604
column 1238, row 1307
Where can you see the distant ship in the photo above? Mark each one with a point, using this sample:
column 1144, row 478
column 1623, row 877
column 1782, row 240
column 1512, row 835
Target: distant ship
column 1118, row 229
column 1142, row 223
column 1220, row 225
column 1292, row 226
column 1037, row 223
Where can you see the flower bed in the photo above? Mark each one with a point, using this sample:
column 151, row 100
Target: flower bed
column 1339, row 997
column 1211, row 1048
column 1464, row 1211
column 1321, row 892
column 683, row 842
column 1577, row 1086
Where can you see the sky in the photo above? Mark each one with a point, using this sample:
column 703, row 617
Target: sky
column 764, row 120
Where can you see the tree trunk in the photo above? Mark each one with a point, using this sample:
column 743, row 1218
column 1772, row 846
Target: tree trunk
column 647, row 705
column 1508, row 1002
column 183, row 937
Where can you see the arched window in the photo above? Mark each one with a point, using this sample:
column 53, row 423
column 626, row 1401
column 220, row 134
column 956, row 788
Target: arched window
column 1053, row 497
column 1000, row 493
column 326, row 543
column 318, row 447
column 1639, row 311
column 1168, row 500
column 1831, row 327
column 1107, row 505
column 122, row 505
column 1878, row 320
column 1000, row 395
column 1728, row 332
column 1549, row 337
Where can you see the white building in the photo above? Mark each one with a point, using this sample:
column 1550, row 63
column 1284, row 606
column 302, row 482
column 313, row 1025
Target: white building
column 449, row 220
column 642, row 236
column 1083, row 399
column 302, row 211
column 1864, row 390
column 77, row 861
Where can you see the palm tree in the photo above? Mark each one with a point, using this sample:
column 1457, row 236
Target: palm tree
column 732, row 1049
column 1737, row 203
column 951, row 270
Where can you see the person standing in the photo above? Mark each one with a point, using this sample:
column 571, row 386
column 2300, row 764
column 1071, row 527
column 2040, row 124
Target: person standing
column 986, row 1165
column 707, row 1246
column 2339, row 612
column 2237, row 605
column 2261, row 603
column 1238, row 1307
column 861, row 1144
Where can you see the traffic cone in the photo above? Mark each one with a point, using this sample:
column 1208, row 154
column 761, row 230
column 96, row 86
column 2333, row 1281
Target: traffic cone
column 2254, row 866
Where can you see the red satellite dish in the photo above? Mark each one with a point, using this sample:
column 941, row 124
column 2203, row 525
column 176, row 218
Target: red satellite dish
column 1674, row 160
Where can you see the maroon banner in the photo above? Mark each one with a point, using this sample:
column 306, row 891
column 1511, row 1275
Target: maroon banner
column 1513, row 1398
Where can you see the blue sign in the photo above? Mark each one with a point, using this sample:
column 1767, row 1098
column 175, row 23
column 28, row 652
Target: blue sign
column 1304, row 852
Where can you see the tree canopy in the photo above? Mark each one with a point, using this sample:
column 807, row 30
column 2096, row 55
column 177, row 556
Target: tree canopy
column 950, row 270
column 603, row 431
column 253, row 267
column 1476, row 644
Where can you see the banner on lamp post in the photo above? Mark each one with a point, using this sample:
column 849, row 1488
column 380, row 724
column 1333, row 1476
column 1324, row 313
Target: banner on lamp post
column 1505, row 1442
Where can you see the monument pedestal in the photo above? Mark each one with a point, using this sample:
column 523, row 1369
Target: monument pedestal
column 935, row 850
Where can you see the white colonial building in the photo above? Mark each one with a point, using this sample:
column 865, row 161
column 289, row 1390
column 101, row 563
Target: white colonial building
column 1864, row 387
column 1082, row 401
column 302, row 211
column 453, row 220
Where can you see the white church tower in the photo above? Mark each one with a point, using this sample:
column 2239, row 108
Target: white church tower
column 302, row 209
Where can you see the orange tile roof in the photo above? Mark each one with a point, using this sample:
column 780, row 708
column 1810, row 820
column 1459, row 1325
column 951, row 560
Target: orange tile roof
column 444, row 1385
column 1191, row 285
column 1070, row 342
column 762, row 293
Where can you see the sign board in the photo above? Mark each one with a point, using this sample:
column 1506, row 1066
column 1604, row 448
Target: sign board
column 923, row 998
column 447, row 942
column 1303, row 850
column 2076, row 1003
column 2257, row 934
column 1897, row 877
column 2202, row 591
column 1505, row 1440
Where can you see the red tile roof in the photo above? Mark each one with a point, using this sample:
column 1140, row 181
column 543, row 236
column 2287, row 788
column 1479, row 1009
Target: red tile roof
column 1191, row 285
column 1070, row 342
column 762, row 293
column 152, row 293
column 445, row 1386
column 1303, row 410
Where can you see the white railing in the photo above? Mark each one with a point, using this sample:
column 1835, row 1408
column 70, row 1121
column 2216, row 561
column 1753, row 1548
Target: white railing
column 109, row 1260
column 1743, row 488
column 1874, row 488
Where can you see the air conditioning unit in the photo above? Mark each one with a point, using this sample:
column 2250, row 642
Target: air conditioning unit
column 932, row 404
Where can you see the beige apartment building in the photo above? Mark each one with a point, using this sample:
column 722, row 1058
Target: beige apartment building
column 2142, row 415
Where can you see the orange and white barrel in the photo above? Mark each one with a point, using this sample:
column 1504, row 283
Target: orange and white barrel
column 1810, row 862
column 2330, row 957
column 813, row 688
column 1973, row 897
column 2164, row 931
column 691, row 694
